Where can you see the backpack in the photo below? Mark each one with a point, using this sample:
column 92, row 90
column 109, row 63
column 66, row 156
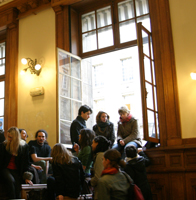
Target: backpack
column 134, row 192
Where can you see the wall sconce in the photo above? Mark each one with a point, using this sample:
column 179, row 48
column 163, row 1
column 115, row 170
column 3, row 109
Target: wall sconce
column 33, row 66
column 193, row 75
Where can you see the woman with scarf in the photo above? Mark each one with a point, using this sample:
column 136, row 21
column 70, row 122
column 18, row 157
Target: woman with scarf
column 104, row 127
column 113, row 184
column 128, row 133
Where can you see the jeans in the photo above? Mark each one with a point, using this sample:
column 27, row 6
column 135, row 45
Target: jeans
column 120, row 148
column 12, row 183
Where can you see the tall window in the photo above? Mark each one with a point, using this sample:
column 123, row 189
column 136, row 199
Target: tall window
column 2, row 83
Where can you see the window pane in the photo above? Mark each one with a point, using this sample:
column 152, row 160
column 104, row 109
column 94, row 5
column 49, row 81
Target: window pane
column 2, row 66
column 75, row 107
column 155, row 98
column 104, row 17
column 1, row 122
column 145, row 44
column 2, row 50
column 2, row 89
column 149, row 96
column 157, row 124
column 141, row 7
column 64, row 85
column 76, row 89
column 89, row 42
column 125, row 10
column 147, row 69
column 65, row 132
column 105, row 37
column 1, row 107
column 151, row 124
column 75, row 68
column 88, row 22
column 145, row 22
column 65, row 111
column 127, row 31
column 64, row 63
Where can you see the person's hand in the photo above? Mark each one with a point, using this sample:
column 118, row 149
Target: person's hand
column 139, row 150
column 49, row 159
column 28, row 182
column 38, row 167
column 76, row 147
column 60, row 197
column 122, row 143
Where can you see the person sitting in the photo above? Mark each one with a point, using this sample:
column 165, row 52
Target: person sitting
column 2, row 136
column 68, row 175
column 136, row 169
column 85, row 154
column 128, row 133
column 99, row 146
column 23, row 134
column 40, row 154
column 104, row 127
column 14, row 163
column 113, row 184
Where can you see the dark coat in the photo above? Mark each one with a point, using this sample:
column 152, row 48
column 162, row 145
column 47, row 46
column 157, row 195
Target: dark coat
column 68, row 178
column 135, row 168
column 21, row 160
column 109, row 132
column 78, row 124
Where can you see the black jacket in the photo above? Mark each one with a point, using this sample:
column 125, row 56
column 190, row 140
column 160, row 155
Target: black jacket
column 135, row 168
column 68, row 178
column 78, row 124
column 109, row 132
column 21, row 160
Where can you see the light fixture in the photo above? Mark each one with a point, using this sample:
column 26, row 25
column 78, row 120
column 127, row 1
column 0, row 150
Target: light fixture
column 193, row 75
column 33, row 66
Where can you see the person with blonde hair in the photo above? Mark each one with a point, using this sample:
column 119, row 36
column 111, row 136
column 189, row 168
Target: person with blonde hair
column 104, row 127
column 14, row 163
column 128, row 133
column 113, row 184
column 68, row 175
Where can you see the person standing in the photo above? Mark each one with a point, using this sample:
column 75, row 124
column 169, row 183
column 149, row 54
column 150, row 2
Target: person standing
column 104, row 127
column 79, row 123
column 128, row 133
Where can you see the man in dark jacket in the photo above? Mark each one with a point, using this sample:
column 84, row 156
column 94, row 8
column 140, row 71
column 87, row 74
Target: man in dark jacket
column 135, row 168
column 2, row 137
column 79, row 123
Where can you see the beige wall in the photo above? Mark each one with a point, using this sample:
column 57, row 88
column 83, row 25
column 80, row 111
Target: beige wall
column 37, row 41
column 183, row 18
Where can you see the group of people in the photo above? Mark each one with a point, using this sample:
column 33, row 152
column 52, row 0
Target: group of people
column 94, row 156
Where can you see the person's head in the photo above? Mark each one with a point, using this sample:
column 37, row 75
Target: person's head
column 112, row 158
column 131, row 151
column 102, row 117
column 86, row 137
column 23, row 134
column 100, row 144
column 60, row 154
column 41, row 136
column 12, row 140
column 123, row 112
column 85, row 112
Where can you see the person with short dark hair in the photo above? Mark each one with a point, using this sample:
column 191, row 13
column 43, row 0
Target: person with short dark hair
column 136, row 168
column 104, row 127
column 79, row 123
column 113, row 184
column 14, row 163
column 23, row 134
column 99, row 146
column 40, row 153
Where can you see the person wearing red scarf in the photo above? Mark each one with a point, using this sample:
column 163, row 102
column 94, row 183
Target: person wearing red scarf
column 128, row 133
column 113, row 183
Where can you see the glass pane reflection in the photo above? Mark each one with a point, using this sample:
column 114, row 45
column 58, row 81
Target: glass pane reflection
column 89, row 42
column 65, row 111
column 105, row 37
column 104, row 17
column 88, row 21
column 64, row 85
column 65, row 132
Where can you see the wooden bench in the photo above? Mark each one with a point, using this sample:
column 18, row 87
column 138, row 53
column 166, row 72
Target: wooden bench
column 25, row 188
